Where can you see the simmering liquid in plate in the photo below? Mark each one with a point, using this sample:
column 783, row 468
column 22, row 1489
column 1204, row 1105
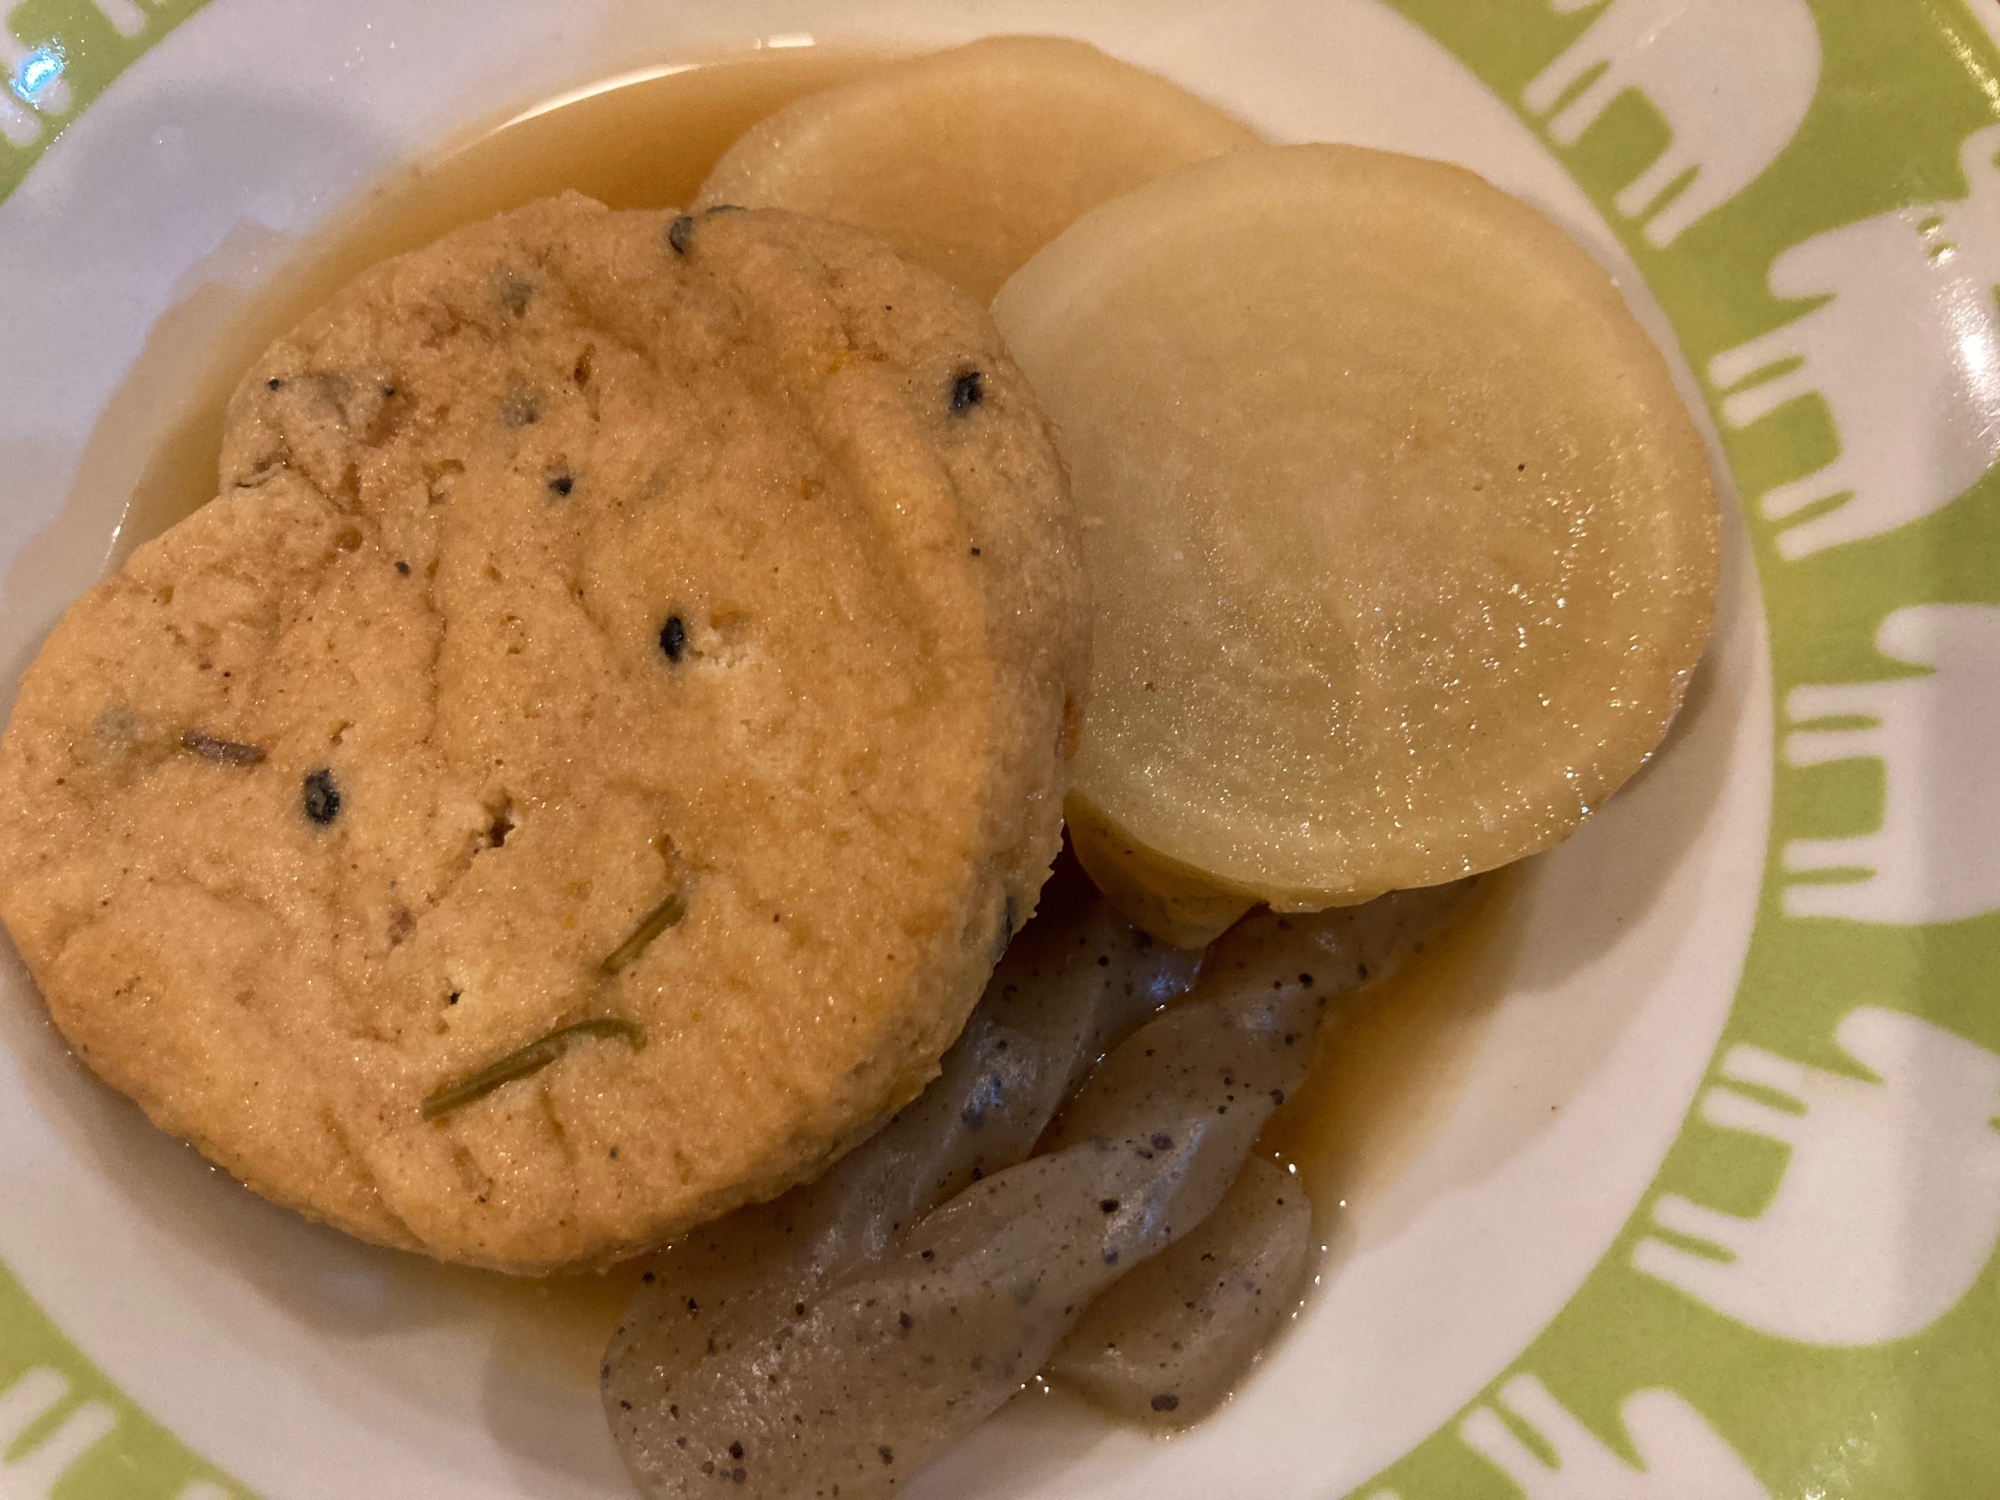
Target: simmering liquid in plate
column 644, row 141
column 647, row 141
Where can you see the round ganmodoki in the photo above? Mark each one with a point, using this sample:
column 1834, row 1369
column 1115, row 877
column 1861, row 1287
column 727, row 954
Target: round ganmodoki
column 578, row 774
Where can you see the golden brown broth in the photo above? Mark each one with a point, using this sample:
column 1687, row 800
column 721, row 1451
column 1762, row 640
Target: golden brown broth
column 1386, row 1077
column 649, row 144
column 642, row 144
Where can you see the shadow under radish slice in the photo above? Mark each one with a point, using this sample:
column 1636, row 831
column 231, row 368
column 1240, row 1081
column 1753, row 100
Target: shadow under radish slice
column 969, row 161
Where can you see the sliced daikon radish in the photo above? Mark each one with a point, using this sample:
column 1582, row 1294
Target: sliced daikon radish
column 1166, row 1344
column 1403, row 544
column 971, row 160
column 1175, row 902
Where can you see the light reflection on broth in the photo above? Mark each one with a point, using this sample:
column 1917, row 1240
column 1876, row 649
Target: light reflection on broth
column 1388, row 1072
column 644, row 144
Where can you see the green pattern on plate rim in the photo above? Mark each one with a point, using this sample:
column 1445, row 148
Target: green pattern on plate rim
column 61, row 54
column 1846, row 1347
column 1807, row 1301
column 66, row 1433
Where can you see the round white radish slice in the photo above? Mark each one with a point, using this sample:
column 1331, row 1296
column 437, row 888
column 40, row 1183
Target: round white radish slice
column 1403, row 544
column 969, row 161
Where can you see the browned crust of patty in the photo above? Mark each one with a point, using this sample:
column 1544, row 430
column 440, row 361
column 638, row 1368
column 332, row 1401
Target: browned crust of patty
column 458, row 505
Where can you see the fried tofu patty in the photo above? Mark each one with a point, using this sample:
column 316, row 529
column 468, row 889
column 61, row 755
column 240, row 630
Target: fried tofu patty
column 578, row 774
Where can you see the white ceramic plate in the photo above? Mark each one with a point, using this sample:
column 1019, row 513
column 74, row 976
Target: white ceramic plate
column 1696, row 1189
